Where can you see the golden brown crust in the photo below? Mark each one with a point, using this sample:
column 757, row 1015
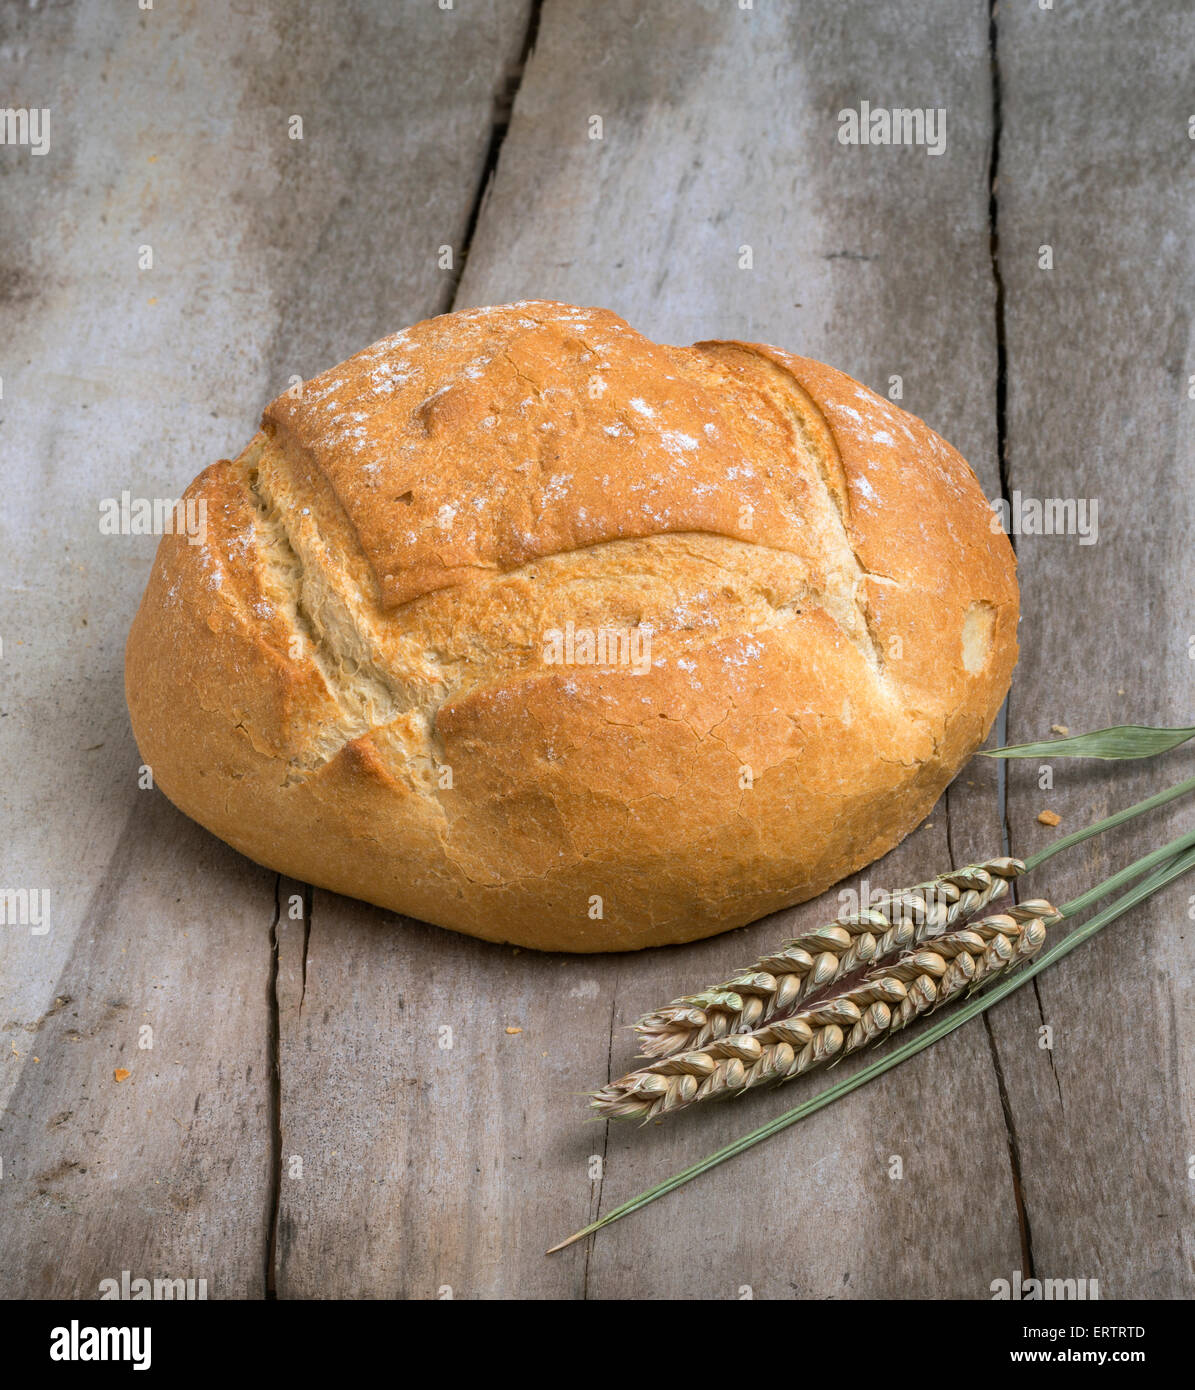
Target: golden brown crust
column 352, row 678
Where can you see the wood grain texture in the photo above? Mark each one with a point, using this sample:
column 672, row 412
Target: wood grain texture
column 463, row 1175
column 1096, row 163
column 732, row 141
column 272, row 256
column 340, row 1103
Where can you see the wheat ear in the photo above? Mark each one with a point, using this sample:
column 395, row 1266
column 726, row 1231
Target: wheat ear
column 776, row 982
column 874, row 1006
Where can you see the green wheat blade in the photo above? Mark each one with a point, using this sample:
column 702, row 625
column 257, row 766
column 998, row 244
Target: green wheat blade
column 1179, row 864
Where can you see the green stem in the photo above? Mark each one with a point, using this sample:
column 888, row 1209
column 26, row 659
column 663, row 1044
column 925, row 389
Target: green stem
column 955, row 1019
column 1109, row 823
column 1121, row 741
column 1178, row 866
column 1134, row 870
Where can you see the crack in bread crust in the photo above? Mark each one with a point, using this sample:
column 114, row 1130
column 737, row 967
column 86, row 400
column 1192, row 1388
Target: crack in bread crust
column 363, row 694
column 347, row 642
column 801, row 411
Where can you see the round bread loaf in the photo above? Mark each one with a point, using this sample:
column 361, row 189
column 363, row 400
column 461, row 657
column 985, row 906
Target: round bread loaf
column 522, row 624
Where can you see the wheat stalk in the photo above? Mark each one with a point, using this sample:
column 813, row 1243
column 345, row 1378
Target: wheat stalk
column 880, row 1001
column 1154, row 870
column 1162, row 866
column 816, row 959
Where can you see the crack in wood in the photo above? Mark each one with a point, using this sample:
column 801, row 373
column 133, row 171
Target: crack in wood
column 596, row 1209
column 1014, row 1153
column 504, row 101
column 275, row 1121
column 950, row 832
column 1041, row 1013
column 308, row 909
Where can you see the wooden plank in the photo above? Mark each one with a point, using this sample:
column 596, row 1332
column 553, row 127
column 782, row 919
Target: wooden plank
column 1095, row 162
column 425, row 1128
column 429, row 1169
column 162, row 1172
column 461, row 1166
column 735, row 135
column 272, row 256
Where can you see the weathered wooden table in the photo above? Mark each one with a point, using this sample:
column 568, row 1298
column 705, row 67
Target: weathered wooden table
column 297, row 1127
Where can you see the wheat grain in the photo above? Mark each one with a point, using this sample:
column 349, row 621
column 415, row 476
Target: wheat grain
column 882, row 1000
column 815, row 959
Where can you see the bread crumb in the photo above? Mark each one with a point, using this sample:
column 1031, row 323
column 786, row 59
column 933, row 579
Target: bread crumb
column 1049, row 818
column 512, row 1031
column 121, row 1075
column 1059, row 729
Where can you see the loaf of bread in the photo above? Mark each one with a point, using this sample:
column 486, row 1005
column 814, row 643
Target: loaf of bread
column 524, row 625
